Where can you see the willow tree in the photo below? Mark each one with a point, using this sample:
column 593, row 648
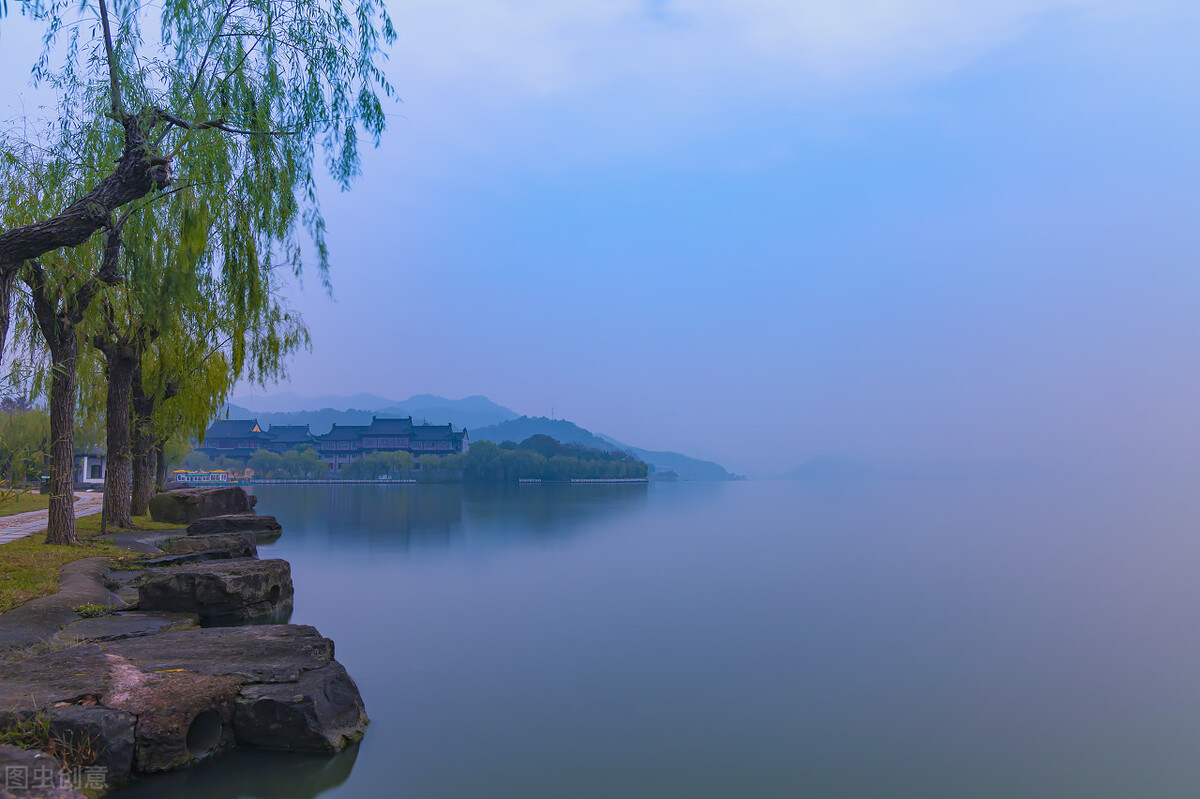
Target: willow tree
column 57, row 304
column 267, row 83
column 235, row 95
column 162, row 275
column 60, row 286
column 188, row 375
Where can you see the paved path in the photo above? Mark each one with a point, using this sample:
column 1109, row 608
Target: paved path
column 20, row 525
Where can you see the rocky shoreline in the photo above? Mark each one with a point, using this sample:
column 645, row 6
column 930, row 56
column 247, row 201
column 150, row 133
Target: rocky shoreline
column 181, row 663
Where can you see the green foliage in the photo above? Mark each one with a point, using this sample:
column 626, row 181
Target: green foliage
column 430, row 468
column 265, row 462
column 304, row 464
column 241, row 99
column 540, row 457
column 91, row 610
column 24, row 441
column 388, row 465
column 198, row 461
column 242, row 94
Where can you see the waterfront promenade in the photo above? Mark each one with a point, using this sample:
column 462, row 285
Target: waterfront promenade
column 20, row 525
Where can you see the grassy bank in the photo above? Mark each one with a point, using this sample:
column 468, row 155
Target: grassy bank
column 29, row 568
column 22, row 501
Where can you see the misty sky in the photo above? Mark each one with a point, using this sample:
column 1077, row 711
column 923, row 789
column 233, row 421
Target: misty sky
column 765, row 230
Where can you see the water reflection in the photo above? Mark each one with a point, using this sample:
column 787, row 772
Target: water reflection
column 442, row 517
column 262, row 775
column 893, row 640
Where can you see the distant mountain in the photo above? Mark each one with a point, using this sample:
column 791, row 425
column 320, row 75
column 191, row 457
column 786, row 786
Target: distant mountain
column 686, row 467
column 559, row 429
column 570, row 433
column 290, row 402
column 469, row 412
column 484, row 420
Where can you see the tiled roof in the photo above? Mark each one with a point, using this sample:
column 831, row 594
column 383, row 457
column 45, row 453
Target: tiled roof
column 432, row 432
column 284, row 433
column 234, row 428
column 390, row 427
column 345, row 433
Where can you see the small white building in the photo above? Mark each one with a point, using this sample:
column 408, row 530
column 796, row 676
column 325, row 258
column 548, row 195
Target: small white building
column 89, row 467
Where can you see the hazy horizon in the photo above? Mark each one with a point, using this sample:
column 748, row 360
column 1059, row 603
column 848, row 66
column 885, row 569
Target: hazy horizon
column 762, row 232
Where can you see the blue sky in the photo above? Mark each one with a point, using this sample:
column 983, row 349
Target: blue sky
column 762, row 231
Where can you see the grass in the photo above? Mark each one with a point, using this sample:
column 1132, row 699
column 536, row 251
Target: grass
column 22, row 501
column 90, row 610
column 29, row 568
column 74, row 748
column 89, row 526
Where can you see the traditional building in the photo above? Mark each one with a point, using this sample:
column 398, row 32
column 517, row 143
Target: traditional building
column 90, row 465
column 290, row 436
column 240, row 438
column 342, row 444
column 235, row 438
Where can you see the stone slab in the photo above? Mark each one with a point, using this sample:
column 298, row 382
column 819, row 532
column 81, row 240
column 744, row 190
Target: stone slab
column 256, row 653
column 81, row 582
column 236, row 523
column 219, row 591
column 126, row 624
column 188, row 504
column 239, row 544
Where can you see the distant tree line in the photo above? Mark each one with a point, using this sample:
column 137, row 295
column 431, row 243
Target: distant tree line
column 538, row 457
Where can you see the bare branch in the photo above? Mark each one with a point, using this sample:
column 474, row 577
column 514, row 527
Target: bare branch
column 114, row 86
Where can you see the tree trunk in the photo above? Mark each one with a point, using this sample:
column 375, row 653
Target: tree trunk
column 143, row 444
column 160, row 465
column 118, row 477
column 138, row 172
column 60, row 528
column 58, row 330
column 8, row 274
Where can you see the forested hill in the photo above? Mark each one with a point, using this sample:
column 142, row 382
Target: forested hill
column 483, row 419
column 559, row 429
column 571, row 433
column 470, row 413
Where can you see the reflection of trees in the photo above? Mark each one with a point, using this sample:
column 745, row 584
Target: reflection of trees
column 243, row 772
column 443, row 515
column 544, row 510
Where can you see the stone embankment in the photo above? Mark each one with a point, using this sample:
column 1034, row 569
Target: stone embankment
column 161, row 681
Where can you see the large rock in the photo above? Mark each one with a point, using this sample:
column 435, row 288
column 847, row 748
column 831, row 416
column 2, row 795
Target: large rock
column 32, row 683
column 202, row 556
column 188, row 504
column 163, row 701
column 182, row 716
column 25, row 774
column 322, row 711
column 293, row 694
column 220, row 591
column 236, row 523
column 238, row 545
column 64, row 690
column 98, row 736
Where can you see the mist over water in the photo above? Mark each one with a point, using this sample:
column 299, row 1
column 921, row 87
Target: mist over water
column 1008, row 638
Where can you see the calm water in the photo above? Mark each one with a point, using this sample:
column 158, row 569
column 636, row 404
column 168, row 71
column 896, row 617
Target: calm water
column 939, row 639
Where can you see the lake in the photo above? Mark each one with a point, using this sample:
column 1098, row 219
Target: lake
column 759, row 639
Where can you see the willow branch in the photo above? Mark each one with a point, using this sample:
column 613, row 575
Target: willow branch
column 114, row 86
